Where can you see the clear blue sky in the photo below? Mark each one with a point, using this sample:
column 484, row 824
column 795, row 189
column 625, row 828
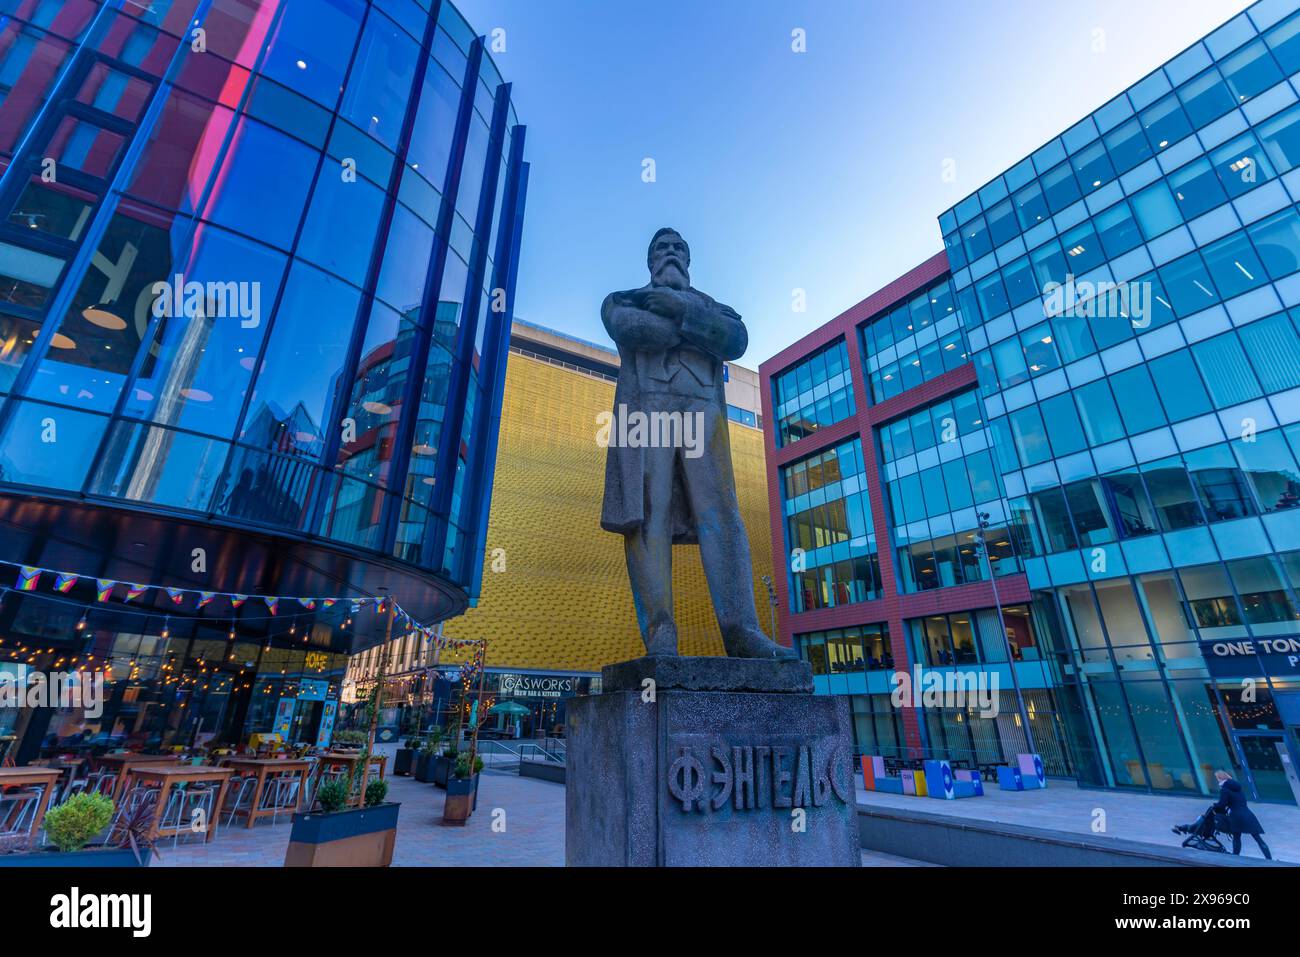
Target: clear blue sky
column 821, row 170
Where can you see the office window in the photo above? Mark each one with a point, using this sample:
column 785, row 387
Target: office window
column 1135, row 398
column 1233, row 265
column 1179, row 385
column 1172, row 496
column 1281, row 138
column 1227, row 373
column 1117, row 229
column 1188, row 284
column 1165, row 123
column 1061, row 422
column 1270, row 468
column 1097, row 412
column 1277, row 239
column 1206, row 97
column 1157, row 211
column 1128, row 146
column 1250, row 71
column 1091, row 518
column 1060, row 188
column 1219, row 483
column 1242, row 165
column 1030, row 438
column 1133, row 509
column 1054, row 520
column 1273, row 348
column 1196, row 188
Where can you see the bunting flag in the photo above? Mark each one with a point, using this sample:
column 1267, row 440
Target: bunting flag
column 177, row 595
column 204, row 598
column 237, row 600
column 272, row 604
column 28, row 577
column 63, row 583
column 104, row 589
column 308, row 603
column 328, row 602
column 135, row 591
column 356, row 607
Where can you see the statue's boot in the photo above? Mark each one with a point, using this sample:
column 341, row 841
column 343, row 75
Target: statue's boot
column 662, row 640
column 752, row 643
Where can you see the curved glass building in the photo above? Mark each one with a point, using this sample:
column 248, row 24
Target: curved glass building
column 257, row 263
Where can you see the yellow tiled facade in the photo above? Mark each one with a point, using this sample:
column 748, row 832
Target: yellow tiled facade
column 559, row 598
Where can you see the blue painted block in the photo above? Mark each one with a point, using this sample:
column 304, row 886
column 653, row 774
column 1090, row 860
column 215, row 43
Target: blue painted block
column 971, row 777
column 892, row 785
column 939, row 780
column 966, row 789
column 1010, row 779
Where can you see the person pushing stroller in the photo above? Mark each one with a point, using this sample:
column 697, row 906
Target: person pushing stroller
column 1229, row 814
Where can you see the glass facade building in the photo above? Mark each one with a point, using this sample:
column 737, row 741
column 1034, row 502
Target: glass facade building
column 1122, row 413
column 257, row 265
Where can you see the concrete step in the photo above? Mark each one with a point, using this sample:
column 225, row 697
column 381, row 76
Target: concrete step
column 961, row 842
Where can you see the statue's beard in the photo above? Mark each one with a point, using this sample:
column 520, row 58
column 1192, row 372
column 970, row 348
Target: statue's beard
column 671, row 273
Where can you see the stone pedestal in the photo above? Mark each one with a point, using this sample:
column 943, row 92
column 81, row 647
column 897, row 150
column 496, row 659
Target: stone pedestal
column 684, row 762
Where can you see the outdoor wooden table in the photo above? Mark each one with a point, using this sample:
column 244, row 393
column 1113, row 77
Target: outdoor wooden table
column 167, row 776
column 263, row 768
column 122, row 763
column 16, row 777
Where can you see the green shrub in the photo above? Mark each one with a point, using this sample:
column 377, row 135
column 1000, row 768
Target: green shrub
column 462, row 765
column 432, row 741
column 73, row 824
column 332, row 796
column 376, row 791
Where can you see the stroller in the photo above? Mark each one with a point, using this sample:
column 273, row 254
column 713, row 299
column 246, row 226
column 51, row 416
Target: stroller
column 1203, row 833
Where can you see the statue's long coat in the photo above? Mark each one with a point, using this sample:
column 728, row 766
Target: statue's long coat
column 650, row 352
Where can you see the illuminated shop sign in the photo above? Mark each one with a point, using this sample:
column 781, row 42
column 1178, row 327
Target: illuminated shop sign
column 1245, row 656
column 537, row 686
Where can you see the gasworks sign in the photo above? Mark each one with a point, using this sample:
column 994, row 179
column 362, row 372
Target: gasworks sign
column 537, row 686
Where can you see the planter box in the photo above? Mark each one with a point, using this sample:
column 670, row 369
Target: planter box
column 360, row 837
column 89, row 857
column 403, row 761
column 442, row 768
column 462, row 799
column 424, row 768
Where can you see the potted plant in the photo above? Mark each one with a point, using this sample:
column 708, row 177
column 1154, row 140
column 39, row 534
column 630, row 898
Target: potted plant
column 71, row 827
column 428, row 757
column 444, row 765
column 350, row 740
column 339, row 836
column 462, row 791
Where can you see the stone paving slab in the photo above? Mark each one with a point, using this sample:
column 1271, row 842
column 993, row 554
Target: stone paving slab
column 1064, row 806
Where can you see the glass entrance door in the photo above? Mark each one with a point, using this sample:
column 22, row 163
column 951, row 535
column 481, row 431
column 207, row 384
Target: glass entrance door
column 1264, row 766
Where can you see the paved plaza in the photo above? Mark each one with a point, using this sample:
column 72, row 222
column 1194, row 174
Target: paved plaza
column 532, row 813
column 1063, row 806
column 533, row 835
